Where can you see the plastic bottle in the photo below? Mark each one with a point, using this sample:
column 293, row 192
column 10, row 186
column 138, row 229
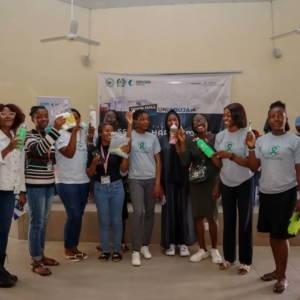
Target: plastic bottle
column 21, row 135
column 173, row 130
column 205, row 148
column 83, row 133
column 93, row 117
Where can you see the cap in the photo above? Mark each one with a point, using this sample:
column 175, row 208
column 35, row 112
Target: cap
column 297, row 122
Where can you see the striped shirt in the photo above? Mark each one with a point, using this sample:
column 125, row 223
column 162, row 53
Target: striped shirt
column 40, row 152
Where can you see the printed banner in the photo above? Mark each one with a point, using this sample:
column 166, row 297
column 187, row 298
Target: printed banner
column 188, row 95
column 50, row 103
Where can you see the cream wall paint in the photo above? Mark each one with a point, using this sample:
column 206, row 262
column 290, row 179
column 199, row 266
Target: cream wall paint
column 150, row 39
column 29, row 68
column 286, row 70
column 193, row 38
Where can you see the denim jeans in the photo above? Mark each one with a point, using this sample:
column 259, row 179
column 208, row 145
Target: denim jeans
column 39, row 207
column 74, row 197
column 7, row 204
column 109, row 200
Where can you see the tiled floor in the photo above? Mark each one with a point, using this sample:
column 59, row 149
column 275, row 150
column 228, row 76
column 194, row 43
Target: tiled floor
column 160, row 278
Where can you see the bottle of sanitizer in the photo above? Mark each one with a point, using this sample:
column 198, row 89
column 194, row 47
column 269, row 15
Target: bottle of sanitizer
column 173, row 130
column 93, row 117
column 21, row 135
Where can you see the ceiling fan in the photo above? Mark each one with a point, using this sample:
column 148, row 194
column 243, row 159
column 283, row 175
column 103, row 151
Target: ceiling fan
column 72, row 34
column 286, row 34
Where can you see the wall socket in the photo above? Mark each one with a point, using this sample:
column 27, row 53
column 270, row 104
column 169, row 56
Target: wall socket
column 206, row 226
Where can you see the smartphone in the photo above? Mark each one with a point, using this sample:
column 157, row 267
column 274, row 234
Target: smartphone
column 211, row 146
column 97, row 152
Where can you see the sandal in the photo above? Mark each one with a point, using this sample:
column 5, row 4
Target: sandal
column 116, row 257
column 269, row 277
column 49, row 262
column 72, row 258
column 104, row 257
column 82, row 255
column 279, row 289
column 41, row 266
column 243, row 269
column 225, row 265
column 124, row 248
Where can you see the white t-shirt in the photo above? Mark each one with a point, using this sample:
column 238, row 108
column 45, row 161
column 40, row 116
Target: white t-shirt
column 231, row 173
column 71, row 170
column 142, row 163
column 278, row 156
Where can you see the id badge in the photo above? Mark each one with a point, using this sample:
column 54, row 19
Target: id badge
column 49, row 166
column 105, row 179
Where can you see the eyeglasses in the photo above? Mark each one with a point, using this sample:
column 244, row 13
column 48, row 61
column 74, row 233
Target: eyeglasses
column 199, row 121
column 7, row 114
column 110, row 118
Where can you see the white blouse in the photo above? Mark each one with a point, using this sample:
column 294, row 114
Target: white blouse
column 12, row 175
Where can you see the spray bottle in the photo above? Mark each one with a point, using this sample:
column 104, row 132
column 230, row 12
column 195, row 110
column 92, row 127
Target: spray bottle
column 21, row 135
column 208, row 151
column 93, row 117
column 173, row 130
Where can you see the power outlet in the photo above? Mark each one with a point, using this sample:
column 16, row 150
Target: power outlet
column 206, row 226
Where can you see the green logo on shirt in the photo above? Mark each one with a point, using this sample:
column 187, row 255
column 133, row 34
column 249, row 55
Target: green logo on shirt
column 274, row 150
column 142, row 146
column 229, row 147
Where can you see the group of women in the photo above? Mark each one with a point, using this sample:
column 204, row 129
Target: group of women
column 188, row 183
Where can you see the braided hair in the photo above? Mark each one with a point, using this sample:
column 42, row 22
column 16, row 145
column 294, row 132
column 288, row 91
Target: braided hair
column 34, row 109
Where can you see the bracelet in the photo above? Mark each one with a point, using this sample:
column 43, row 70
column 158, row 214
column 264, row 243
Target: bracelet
column 232, row 157
column 251, row 149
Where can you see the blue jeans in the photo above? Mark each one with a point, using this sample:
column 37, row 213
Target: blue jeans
column 74, row 197
column 39, row 207
column 109, row 200
column 7, row 204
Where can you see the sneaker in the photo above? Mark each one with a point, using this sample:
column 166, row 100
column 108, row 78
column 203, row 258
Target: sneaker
column 171, row 250
column 135, row 259
column 145, row 252
column 215, row 256
column 201, row 254
column 184, row 251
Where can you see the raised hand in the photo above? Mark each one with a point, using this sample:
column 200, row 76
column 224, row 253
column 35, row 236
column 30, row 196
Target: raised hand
column 91, row 131
column 129, row 118
column 58, row 123
column 250, row 140
column 181, row 135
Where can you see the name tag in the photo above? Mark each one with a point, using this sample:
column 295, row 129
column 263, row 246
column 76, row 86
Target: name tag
column 49, row 166
column 105, row 179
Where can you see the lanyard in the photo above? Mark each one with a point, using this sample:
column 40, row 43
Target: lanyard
column 49, row 150
column 105, row 165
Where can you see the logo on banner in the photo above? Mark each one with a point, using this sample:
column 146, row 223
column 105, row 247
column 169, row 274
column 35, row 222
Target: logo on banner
column 178, row 109
column 109, row 82
column 139, row 82
column 229, row 147
column 151, row 109
column 121, row 82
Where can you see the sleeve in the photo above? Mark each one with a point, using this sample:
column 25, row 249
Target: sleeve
column 258, row 148
column 156, row 146
column 217, row 142
column 90, row 158
column 297, row 152
column 39, row 149
column 62, row 141
column 185, row 157
column 22, row 172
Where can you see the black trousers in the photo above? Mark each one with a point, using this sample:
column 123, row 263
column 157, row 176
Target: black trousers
column 239, row 198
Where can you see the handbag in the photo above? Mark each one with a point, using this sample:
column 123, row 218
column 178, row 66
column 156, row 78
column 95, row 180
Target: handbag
column 198, row 174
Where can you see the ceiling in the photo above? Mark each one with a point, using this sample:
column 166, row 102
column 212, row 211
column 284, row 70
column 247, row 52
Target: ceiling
column 100, row 4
